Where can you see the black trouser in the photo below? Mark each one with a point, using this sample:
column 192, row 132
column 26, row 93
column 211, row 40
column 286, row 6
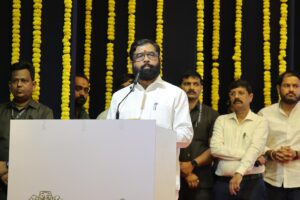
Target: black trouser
column 3, row 190
column 252, row 187
column 281, row 193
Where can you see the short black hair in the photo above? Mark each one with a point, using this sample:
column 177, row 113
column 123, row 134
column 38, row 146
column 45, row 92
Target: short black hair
column 22, row 65
column 123, row 79
column 240, row 83
column 82, row 76
column 192, row 73
column 140, row 43
column 287, row 74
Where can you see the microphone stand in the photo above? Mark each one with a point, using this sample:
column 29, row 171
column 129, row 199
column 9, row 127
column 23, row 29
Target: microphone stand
column 136, row 79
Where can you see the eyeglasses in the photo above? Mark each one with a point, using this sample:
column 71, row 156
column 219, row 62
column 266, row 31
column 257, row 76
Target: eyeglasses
column 141, row 56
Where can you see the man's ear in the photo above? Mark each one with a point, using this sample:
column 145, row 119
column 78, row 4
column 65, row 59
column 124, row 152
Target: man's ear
column 251, row 97
column 278, row 89
column 33, row 84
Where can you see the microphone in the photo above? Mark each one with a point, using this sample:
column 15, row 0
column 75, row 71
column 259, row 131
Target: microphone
column 135, row 81
column 137, row 78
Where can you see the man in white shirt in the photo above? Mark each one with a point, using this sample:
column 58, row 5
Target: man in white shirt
column 238, row 140
column 153, row 98
column 282, row 175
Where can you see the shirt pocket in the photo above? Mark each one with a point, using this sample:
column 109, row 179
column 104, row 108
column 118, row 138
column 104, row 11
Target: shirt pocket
column 163, row 114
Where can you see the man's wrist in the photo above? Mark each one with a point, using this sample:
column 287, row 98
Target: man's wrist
column 194, row 163
column 238, row 174
column 272, row 155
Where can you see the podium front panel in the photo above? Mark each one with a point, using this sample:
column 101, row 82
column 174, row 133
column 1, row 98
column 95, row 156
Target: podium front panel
column 85, row 160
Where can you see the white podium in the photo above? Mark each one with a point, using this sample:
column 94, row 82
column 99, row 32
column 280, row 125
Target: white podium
column 91, row 160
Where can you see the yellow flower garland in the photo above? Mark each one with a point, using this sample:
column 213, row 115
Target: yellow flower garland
column 16, row 37
column 131, row 30
column 238, row 40
column 36, row 45
column 267, row 53
column 110, row 52
column 200, row 38
column 66, row 61
column 283, row 35
column 87, row 43
column 159, row 28
column 215, row 55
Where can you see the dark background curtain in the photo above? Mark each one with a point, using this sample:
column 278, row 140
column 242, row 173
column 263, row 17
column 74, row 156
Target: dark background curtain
column 179, row 45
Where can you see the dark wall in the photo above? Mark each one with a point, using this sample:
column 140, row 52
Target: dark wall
column 179, row 45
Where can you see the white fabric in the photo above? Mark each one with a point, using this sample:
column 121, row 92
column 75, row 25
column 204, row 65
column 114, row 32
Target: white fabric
column 161, row 101
column 238, row 145
column 283, row 131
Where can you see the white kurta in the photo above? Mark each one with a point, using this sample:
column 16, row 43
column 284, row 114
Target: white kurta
column 161, row 101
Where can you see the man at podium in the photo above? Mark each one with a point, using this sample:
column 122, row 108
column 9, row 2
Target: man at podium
column 150, row 97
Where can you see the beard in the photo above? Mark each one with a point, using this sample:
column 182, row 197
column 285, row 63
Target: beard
column 148, row 74
column 288, row 100
column 80, row 101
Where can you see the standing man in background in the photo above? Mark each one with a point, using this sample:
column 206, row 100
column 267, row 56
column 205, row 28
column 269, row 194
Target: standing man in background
column 282, row 175
column 153, row 98
column 196, row 161
column 238, row 139
column 82, row 88
column 21, row 85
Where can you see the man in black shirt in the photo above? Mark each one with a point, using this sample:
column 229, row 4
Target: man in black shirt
column 82, row 87
column 22, row 106
column 196, row 160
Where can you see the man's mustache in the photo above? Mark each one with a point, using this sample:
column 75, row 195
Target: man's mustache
column 191, row 92
column 147, row 65
column 237, row 101
column 291, row 93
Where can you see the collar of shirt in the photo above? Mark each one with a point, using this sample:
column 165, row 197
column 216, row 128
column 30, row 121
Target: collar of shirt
column 282, row 111
column 197, row 107
column 157, row 83
column 31, row 104
column 250, row 116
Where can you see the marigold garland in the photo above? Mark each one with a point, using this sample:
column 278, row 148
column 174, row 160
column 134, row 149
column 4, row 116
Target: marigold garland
column 159, row 29
column 238, row 40
column 200, row 38
column 131, row 30
column 36, row 45
column 87, row 44
column 267, row 52
column 215, row 55
column 16, row 37
column 110, row 52
column 283, row 35
column 66, row 61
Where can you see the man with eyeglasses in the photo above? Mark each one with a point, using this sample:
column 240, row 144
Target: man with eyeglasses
column 21, row 86
column 153, row 98
column 82, row 87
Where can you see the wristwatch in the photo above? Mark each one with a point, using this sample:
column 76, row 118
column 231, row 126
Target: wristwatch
column 194, row 163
